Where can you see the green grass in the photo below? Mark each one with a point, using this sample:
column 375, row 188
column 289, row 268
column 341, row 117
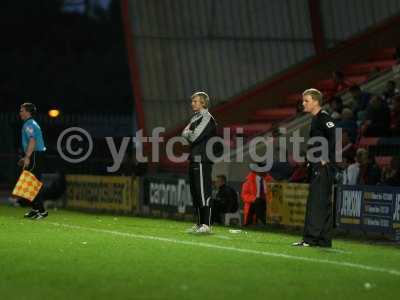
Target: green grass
column 73, row 255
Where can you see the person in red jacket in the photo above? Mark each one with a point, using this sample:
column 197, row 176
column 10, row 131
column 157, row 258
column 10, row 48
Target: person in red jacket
column 253, row 194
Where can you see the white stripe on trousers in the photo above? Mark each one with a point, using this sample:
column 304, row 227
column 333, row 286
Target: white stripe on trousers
column 202, row 185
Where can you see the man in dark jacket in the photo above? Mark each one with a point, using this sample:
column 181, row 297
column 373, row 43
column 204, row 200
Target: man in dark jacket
column 226, row 199
column 201, row 128
column 319, row 213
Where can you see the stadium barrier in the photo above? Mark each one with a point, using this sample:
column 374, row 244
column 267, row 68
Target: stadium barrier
column 166, row 196
column 286, row 203
column 369, row 209
column 117, row 194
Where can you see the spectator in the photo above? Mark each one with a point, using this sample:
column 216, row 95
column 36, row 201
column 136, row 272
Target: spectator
column 363, row 171
column 369, row 173
column 336, row 107
column 390, row 92
column 348, row 149
column 391, row 175
column 344, row 169
column 395, row 117
column 254, row 192
column 377, row 121
column 300, row 173
column 347, row 123
column 225, row 201
column 341, row 83
column 360, row 99
column 352, row 169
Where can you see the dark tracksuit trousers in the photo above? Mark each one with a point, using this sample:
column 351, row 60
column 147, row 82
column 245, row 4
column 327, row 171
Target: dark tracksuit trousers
column 200, row 189
column 36, row 168
column 318, row 223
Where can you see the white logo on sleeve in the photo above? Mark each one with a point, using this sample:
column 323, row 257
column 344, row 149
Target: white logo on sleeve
column 330, row 124
column 29, row 130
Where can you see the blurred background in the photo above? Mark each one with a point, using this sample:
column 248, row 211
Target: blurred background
column 69, row 56
column 115, row 66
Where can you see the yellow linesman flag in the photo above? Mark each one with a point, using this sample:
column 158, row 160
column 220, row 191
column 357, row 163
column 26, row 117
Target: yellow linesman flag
column 27, row 187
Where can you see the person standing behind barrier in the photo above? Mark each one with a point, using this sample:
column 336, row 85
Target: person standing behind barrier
column 318, row 224
column 254, row 191
column 34, row 150
column 201, row 128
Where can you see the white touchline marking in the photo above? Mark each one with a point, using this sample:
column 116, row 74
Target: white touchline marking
column 234, row 249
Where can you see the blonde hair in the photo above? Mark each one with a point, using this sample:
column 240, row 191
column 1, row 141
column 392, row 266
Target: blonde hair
column 315, row 94
column 361, row 155
column 204, row 97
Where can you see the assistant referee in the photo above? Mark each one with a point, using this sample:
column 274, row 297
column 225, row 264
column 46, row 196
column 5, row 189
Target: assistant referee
column 34, row 150
column 319, row 215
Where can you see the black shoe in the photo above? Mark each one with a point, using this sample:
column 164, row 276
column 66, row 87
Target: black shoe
column 32, row 213
column 301, row 244
column 40, row 215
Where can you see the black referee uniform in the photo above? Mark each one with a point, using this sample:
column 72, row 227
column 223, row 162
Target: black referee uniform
column 201, row 128
column 319, row 214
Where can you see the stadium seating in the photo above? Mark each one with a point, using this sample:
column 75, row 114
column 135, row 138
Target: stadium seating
column 263, row 120
column 365, row 142
column 251, row 129
column 356, row 73
column 293, row 99
column 383, row 161
column 275, row 114
column 367, row 67
column 383, row 54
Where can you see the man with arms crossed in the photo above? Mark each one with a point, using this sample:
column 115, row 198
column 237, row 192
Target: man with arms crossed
column 201, row 128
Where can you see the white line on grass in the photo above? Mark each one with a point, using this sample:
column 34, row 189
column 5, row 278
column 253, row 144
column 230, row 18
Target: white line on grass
column 222, row 237
column 234, row 249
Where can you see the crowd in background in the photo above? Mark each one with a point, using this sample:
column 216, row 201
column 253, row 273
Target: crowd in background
column 367, row 115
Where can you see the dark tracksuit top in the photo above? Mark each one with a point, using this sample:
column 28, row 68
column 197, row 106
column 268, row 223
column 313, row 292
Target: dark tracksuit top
column 201, row 128
column 323, row 126
column 319, row 218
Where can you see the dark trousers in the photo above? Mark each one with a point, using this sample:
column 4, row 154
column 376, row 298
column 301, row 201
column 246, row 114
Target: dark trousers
column 36, row 168
column 319, row 215
column 218, row 209
column 200, row 189
column 259, row 210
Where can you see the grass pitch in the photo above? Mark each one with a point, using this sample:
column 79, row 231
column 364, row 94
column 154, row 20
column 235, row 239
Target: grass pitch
column 74, row 255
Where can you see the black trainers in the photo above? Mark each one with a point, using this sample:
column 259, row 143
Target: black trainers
column 41, row 215
column 32, row 213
